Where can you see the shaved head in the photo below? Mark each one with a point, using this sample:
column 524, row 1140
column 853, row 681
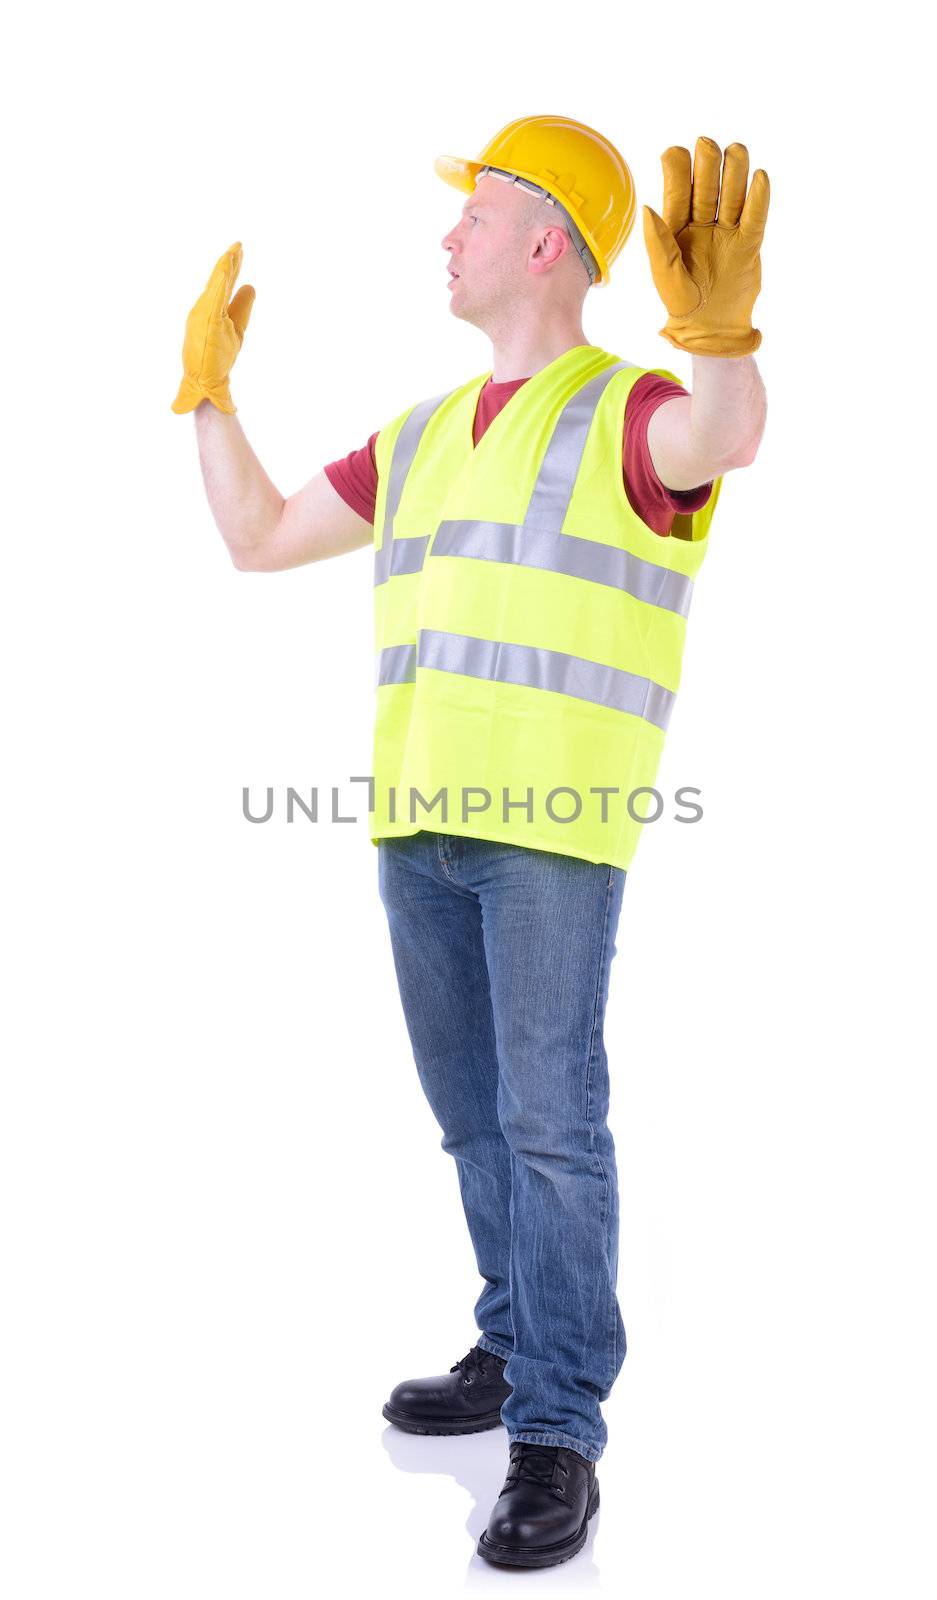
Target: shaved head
column 536, row 212
column 533, row 216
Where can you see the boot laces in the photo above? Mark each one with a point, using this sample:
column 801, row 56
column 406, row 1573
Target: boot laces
column 476, row 1361
column 536, row 1462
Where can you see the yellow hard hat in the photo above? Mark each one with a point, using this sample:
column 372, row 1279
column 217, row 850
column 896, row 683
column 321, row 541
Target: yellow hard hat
column 574, row 165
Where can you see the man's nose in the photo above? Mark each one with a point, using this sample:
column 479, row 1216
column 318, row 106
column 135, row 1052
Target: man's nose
column 452, row 238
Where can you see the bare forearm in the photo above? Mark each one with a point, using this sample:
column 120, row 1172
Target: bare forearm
column 245, row 504
column 728, row 408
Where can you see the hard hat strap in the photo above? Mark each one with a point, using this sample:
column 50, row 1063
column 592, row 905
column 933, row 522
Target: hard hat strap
column 585, row 254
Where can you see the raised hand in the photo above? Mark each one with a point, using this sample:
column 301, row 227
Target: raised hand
column 705, row 251
column 214, row 331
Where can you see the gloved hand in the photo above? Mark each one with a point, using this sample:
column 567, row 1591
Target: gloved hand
column 707, row 267
column 213, row 334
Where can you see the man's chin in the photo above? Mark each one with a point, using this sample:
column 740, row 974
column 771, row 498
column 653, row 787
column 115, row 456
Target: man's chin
column 461, row 308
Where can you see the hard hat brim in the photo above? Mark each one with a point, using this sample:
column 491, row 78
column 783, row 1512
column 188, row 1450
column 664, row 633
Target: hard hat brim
column 458, row 171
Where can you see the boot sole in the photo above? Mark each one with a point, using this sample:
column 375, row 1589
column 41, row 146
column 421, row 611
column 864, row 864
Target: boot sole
column 442, row 1425
column 551, row 1555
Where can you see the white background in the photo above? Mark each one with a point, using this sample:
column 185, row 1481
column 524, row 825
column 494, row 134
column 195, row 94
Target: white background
column 228, row 1229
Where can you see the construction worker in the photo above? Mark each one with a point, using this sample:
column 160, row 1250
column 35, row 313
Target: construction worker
column 537, row 532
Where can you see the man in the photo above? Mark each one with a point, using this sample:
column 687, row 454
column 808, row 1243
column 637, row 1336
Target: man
column 536, row 531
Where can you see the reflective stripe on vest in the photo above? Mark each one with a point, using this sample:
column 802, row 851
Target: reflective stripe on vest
column 393, row 557
column 531, row 665
column 536, row 542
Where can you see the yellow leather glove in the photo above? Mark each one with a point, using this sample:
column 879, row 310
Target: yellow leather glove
column 707, row 266
column 213, row 334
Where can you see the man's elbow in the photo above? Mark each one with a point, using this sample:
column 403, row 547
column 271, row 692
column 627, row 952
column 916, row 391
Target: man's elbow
column 243, row 560
column 744, row 454
column 256, row 557
column 744, row 457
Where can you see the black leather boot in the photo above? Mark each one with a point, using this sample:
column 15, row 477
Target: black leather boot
column 466, row 1399
column 541, row 1516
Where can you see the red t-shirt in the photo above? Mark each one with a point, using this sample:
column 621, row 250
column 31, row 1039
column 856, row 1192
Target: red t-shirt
column 355, row 476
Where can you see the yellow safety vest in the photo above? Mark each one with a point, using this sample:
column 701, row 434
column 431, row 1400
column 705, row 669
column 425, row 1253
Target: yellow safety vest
column 529, row 627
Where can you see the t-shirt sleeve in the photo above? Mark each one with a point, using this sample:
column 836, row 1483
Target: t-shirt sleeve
column 354, row 477
column 653, row 502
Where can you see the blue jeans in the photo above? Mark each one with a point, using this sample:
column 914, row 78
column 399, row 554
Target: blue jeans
column 502, row 955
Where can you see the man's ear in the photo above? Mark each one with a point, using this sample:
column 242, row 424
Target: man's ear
column 549, row 248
